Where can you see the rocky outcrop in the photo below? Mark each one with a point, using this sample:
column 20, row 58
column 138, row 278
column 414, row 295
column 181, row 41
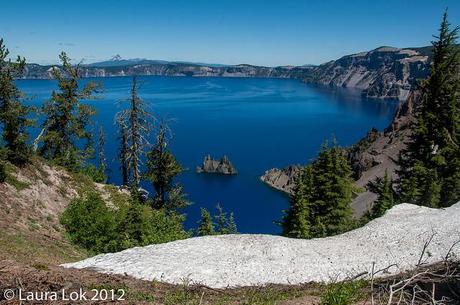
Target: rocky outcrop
column 368, row 151
column 281, row 179
column 386, row 72
column 360, row 156
column 376, row 153
column 222, row 166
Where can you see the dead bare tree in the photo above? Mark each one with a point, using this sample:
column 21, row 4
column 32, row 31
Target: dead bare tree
column 138, row 122
column 436, row 284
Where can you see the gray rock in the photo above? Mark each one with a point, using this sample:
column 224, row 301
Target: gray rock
column 222, row 166
column 281, row 179
column 386, row 73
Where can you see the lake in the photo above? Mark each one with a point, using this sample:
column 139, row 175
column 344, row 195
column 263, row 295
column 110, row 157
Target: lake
column 257, row 123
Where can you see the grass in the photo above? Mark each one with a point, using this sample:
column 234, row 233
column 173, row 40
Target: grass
column 344, row 293
column 12, row 180
column 115, row 196
column 269, row 295
column 160, row 293
column 82, row 182
column 32, row 249
column 40, row 266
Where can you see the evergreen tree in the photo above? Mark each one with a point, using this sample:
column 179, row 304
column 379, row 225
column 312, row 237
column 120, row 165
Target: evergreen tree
column 67, row 119
column 332, row 195
column 123, row 153
column 205, row 225
column 296, row 222
column 224, row 224
column 176, row 199
column 320, row 204
column 137, row 119
column 231, row 225
column 221, row 219
column 101, row 150
column 430, row 165
column 383, row 188
column 162, row 168
column 132, row 226
column 13, row 114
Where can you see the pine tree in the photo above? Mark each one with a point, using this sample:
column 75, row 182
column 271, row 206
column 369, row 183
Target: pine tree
column 296, row 222
column 162, row 168
column 205, row 225
column 176, row 199
column 137, row 119
column 13, row 114
column 430, row 165
column 221, row 219
column 67, row 119
column 320, row 204
column 224, row 224
column 123, row 153
column 331, row 203
column 231, row 225
column 101, row 150
column 383, row 188
column 132, row 226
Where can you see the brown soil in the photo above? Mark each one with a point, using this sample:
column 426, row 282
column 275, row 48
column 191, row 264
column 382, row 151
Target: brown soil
column 41, row 278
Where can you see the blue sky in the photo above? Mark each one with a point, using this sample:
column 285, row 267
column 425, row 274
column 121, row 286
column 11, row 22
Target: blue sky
column 217, row 31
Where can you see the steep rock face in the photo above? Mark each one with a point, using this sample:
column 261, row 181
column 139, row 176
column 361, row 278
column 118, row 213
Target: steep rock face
column 385, row 72
column 369, row 158
column 360, row 157
column 367, row 152
column 281, row 179
column 383, row 152
column 222, row 166
column 35, row 71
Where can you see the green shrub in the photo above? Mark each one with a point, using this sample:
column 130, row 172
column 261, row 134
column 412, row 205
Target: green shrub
column 141, row 225
column 96, row 174
column 91, row 224
column 343, row 293
column 98, row 228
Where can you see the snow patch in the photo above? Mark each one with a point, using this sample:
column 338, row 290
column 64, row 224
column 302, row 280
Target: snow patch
column 251, row 259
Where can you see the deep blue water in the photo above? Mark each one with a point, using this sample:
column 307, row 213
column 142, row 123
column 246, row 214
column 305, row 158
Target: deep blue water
column 258, row 123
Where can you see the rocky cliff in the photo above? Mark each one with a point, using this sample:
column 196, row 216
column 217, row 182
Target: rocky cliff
column 34, row 71
column 369, row 158
column 385, row 72
column 222, row 166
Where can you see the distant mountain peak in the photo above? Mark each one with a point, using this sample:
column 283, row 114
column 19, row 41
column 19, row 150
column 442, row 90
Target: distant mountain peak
column 116, row 58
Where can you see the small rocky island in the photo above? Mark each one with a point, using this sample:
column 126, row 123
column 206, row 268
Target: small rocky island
column 222, row 166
